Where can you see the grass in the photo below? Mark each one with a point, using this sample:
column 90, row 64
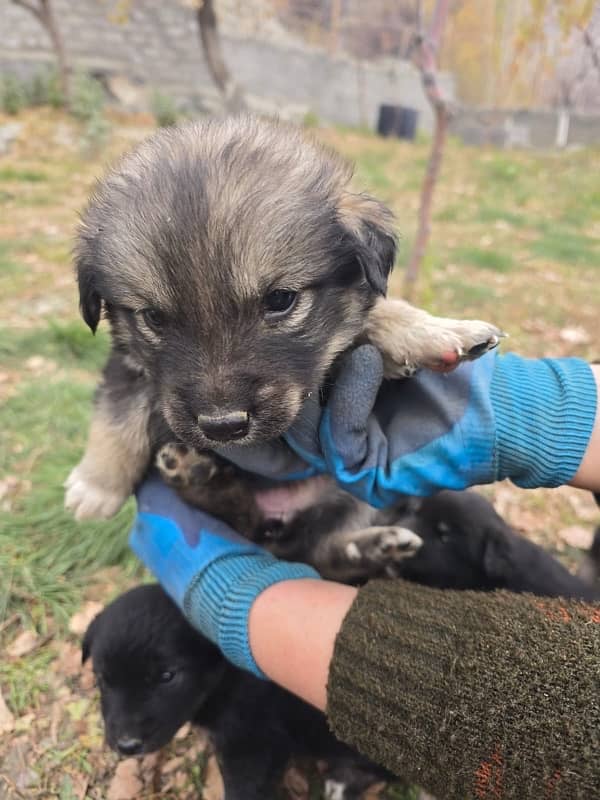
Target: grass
column 45, row 555
column 21, row 175
column 515, row 239
column 484, row 259
column 556, row 244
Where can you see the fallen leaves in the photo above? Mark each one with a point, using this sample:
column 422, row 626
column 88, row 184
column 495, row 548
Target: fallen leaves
column 213, row 788
column 78, row 624
column 26, row 642
column 577, row 536
column 125, row 783
column 7, row 720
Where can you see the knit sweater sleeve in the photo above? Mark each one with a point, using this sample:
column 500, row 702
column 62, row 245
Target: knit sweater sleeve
column 472, row 696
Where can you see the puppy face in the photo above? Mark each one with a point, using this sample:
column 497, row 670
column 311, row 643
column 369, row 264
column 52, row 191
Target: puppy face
column 153, row 671
column 234, row 265
column 462, row 538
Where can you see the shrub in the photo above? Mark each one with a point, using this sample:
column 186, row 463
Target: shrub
column 164, row 109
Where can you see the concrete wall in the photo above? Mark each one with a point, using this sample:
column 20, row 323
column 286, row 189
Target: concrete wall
column 158, row 46
column 523, row 128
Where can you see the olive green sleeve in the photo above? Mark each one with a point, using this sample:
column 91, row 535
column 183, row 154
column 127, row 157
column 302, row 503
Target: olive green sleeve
column 471, row 695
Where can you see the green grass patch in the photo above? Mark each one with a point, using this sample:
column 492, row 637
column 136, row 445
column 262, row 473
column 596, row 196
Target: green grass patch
column 69, row 343
column 501, row 170
column 45, row 556
column 23, row 680
column 450, row 214
column 488, row 259
column 373, row 168
column 566, row 247
column 465, row 294
column 491, row 214
column 22, row 175
column 8, row 264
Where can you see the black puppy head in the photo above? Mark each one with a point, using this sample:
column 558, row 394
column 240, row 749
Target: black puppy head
column 153, row 671
column 234, row 265
column 466, row 544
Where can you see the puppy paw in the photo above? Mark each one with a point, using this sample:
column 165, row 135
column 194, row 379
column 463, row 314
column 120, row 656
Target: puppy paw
column 383, row 545
column 182, row 466
column 87, row 498
column 440, row 345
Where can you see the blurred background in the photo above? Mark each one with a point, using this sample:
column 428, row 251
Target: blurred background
column 478, row 122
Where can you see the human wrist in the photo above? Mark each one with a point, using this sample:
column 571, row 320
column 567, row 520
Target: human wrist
column 218, row 600
column 544, row 413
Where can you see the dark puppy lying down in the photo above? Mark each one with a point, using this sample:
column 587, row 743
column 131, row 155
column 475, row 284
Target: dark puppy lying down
column 155, row 673
column 467, row 545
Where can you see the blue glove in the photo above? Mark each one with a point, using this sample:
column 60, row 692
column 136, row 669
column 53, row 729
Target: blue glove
column 210, row 572
column 498, row 417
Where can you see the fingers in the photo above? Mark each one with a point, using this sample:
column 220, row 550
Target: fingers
column 355, row 391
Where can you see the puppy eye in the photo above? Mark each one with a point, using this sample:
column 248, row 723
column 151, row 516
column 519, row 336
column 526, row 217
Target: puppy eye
column 443, row 531
column 166, row 676
column 279, row 303
column 153, row 317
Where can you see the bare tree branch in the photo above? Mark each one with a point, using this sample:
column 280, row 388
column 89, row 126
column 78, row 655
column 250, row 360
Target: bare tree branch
column 425, row 52
column 211, row 44
column 593, row 49
column 31, row 8
column 44, row 13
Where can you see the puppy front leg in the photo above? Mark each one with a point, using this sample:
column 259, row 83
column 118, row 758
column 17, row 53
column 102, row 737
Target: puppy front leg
column 118, row 447
column 410, row 338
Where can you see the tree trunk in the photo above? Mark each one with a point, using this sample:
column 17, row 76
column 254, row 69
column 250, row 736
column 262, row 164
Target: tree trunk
column 427, row 47
column 211, row 44
column 44, row 14
column 424, row 227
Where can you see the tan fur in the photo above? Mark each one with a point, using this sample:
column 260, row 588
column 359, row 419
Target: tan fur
column 409, row 338
column 116, row 457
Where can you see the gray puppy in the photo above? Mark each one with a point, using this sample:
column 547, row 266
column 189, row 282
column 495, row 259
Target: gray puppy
column 234, row 265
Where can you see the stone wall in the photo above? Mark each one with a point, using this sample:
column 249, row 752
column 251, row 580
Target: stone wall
column 157, row 46
column 526, row 128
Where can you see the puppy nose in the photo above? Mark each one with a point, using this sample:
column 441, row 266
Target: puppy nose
column 224, row 427
column 129, row 746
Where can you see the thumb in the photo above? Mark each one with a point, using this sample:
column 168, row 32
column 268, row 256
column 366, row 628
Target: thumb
column 351, row 403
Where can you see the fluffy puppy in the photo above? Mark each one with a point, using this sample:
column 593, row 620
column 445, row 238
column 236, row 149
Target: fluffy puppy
column 234, row 264
column 467, row 545
column 155, row 673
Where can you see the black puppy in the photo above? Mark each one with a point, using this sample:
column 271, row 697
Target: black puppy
column 155, row 673
column 467, row 545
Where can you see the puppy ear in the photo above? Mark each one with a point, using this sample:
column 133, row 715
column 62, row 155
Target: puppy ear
column 90, row 301
column 371, row 225
column 498, row 557
column 88, row 637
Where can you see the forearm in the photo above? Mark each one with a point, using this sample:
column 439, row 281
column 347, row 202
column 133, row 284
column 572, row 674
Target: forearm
column 588, row 474
column 457, row 691
column 292, row 629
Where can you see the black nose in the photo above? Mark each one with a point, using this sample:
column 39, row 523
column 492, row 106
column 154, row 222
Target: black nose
column 225, row 427
column 129, row 746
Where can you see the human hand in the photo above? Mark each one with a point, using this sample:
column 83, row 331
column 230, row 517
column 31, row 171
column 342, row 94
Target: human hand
column 498, row 417
column 213, row 574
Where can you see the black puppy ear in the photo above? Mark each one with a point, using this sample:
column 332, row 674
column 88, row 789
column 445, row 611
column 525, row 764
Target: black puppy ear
column 90, row 301
column 371, row 225
column 498, row 558
column 88, row 637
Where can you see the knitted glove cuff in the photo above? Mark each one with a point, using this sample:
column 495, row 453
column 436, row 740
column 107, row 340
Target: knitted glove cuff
column 219, row 599
column 545, row 412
